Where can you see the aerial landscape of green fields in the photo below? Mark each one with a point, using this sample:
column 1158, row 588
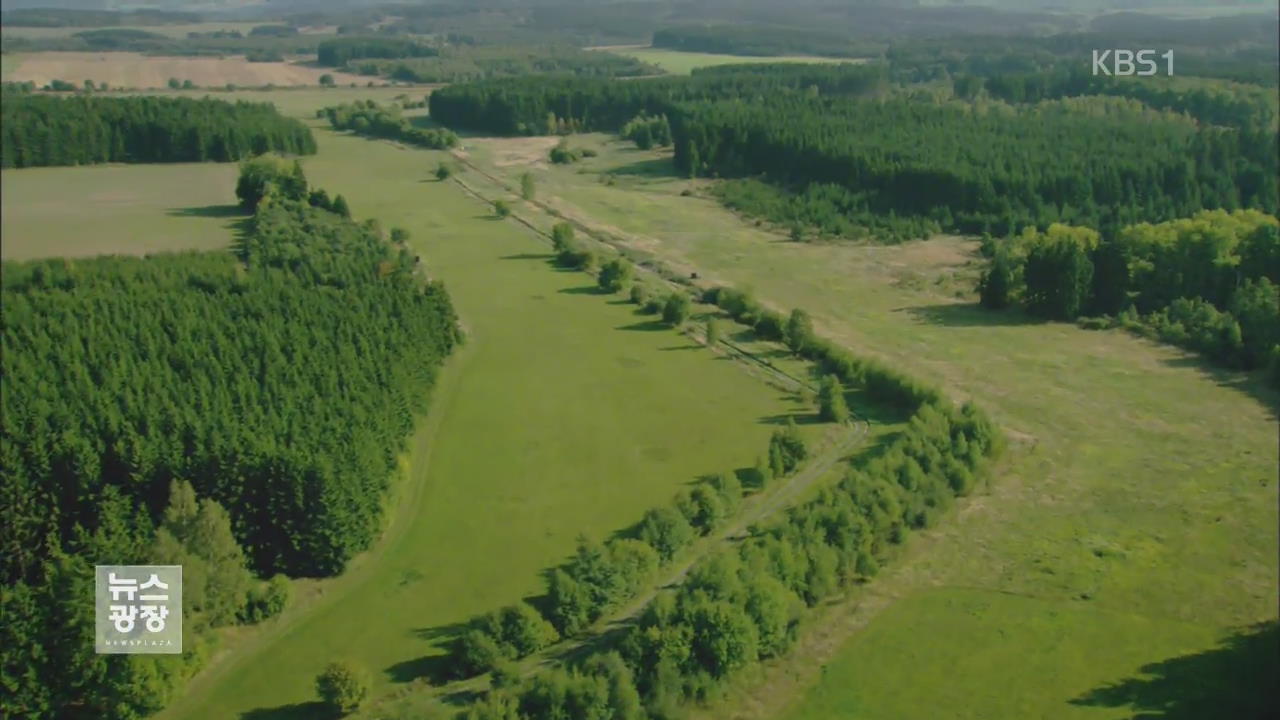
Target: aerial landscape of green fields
column 552, row 360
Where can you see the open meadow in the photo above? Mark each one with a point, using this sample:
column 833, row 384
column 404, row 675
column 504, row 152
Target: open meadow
column 565, row 413
column 126, row 209
column 679, row 62
column 1134, row 522
column 137, row 71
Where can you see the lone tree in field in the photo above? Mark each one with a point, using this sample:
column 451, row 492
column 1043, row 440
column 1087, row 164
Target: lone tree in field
column 677, row 308
column 501, row 209
column 713, row 331
column 527, row 187
column 326, row 80
column 831, row 404
column 443, row 171
column 615, row 275
column 342, row 687
column 799, row 331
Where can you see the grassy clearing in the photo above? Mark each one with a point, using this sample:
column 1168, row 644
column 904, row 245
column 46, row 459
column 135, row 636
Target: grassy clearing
column 566, row 414
column 137, row 71
column 1138, row 502
column 127, row 209
column 676, row 61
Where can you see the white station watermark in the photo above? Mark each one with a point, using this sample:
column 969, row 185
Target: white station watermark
column 1127, row 62
column 138, row 609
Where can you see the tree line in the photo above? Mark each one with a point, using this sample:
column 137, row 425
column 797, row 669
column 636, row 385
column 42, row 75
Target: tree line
column 760, row 40
column 522, row 106
column 368, row 118
column 337, row 52
column 746, row 604
column 270, row 389
column 39, row 130
column 602, row 577
column 1210, row 283
column 1249, row 109
column 467, row 63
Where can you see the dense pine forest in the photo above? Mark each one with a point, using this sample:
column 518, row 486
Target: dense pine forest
column 229, row 412
column 523, row 106
column 1091, row 161
column 41, row 130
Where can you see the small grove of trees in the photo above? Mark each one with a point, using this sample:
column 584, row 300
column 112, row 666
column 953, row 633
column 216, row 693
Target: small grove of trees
column 342, row 686
column 615, row 275
column 648, row 131
column 831, row 403
column 1210, row 283
column 339, row 51
column 369, row 119
column 569, row 252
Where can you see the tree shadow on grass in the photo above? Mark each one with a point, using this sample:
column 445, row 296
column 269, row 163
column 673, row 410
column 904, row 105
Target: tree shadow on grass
column 314, row 710
column 969, row 315
column 649, row 326
column 528, row 256
column 1234, row 680
column 800, row 417
column 584, row 290
column 694, row 346
column 1249, row 384
column 663, row 167
column 437, row 669
column 208, row 211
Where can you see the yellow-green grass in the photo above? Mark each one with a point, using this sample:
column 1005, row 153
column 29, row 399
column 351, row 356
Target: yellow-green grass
column 138, row 71
column 126, row 209
column 173, row 31
column 676, row 61
column 565, row 413
column 1138, row 501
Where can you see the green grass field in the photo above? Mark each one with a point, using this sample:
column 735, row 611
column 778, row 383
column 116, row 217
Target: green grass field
column 675, row 61
column 1134, row 521
column 566, row 413
column 127, row 209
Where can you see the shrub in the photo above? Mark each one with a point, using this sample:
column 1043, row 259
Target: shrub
column 676, row 309
column 342, row 686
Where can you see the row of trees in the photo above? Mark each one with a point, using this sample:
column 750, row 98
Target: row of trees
column 467, row 63
column 1104, row 162
column 370, row 119
column 601, row 577
column 745, row 605
column 761, row 40
column 39, row 130
column 1209, row 282
column 337, row 52
column 521, row 106
column 280, row 384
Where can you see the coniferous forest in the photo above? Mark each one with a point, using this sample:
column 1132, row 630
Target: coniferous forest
column 41, row 130
column 277, row 384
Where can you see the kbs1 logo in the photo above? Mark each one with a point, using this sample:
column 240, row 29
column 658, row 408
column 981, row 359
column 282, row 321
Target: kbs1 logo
column 1127, row 62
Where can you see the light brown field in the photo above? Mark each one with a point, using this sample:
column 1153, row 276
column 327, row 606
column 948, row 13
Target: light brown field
column 133, row 70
